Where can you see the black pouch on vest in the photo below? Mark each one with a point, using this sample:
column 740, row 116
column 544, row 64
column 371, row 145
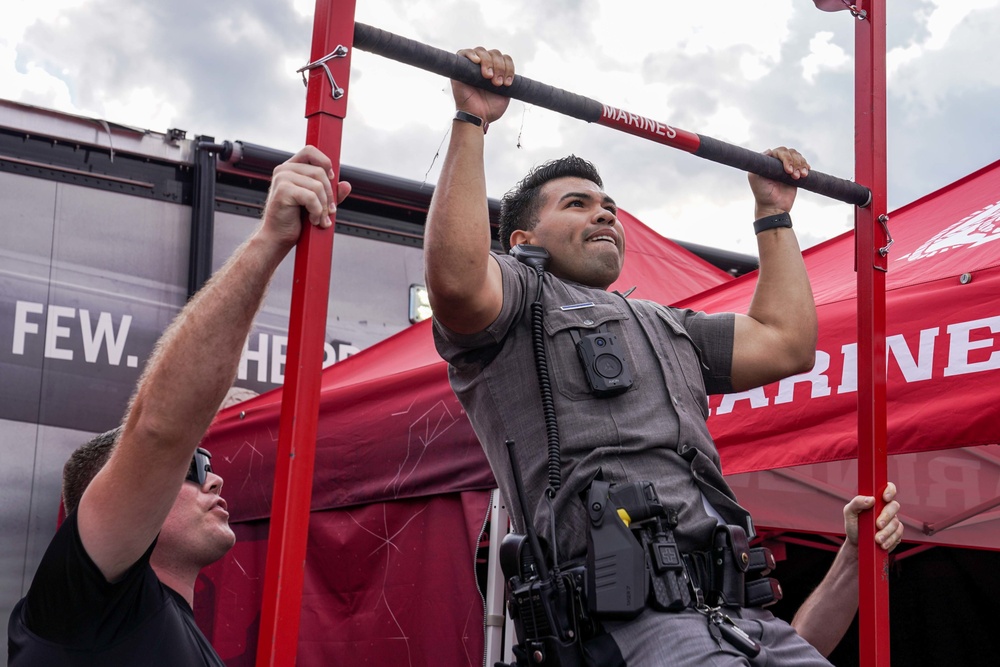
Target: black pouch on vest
column 730, row 560
column 763, row 592
column 761, row 561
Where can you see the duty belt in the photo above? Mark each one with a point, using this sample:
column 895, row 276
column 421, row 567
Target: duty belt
column 633, row 560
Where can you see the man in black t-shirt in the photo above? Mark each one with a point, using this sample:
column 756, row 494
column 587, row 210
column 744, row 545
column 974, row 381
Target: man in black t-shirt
column 145, row 511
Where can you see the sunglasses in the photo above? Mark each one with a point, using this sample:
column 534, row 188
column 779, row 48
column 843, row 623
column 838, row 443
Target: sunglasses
column 201, row 465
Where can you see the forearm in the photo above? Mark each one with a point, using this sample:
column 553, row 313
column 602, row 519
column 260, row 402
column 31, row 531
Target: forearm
column 826, row 615
column 195, row 362
column 457, row 237
column 783, row 299
column 179, row 393
column 777, row 337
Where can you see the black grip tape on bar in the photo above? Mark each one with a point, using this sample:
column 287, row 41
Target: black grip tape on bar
column 453, row 66
column 771, row 167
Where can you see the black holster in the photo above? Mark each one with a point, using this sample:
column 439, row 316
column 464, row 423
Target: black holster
column 733, row 574
column 617, row 583
column 730, row 560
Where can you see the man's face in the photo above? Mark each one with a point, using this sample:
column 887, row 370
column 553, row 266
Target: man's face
column 197, row 530
column 578, row 225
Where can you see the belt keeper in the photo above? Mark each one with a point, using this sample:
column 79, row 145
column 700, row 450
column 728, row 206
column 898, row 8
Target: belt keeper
column 772, row 222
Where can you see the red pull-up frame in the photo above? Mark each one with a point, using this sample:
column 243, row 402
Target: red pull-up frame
column 871, row 239
column 284, row 573
column 334, row 34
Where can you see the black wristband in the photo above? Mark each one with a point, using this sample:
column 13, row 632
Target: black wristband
column 467, row 117
column 771, row 222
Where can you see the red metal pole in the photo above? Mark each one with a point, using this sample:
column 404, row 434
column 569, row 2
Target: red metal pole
column 871, row 264
column 284, row 575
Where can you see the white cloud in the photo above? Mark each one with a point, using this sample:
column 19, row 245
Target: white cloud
column 754, row 74
column 305, row 8
column 754, row 66
column 948, row 14
column 30, row 81
column 729, row 124
column 823, row 55
column 142, row 107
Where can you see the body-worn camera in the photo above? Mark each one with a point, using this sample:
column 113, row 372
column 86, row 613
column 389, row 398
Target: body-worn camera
column 604, row 363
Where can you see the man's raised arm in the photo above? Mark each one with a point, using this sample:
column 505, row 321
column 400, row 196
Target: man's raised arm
column 190, row 371
column 463, row 281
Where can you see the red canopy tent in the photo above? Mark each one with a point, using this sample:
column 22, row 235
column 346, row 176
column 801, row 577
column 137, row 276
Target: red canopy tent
column 399, row 499
column 943, row 321
column 401, row 488
column 942, row 317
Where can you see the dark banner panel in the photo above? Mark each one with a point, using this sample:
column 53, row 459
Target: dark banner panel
column 89, row 279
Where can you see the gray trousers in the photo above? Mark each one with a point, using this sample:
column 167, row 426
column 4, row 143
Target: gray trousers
column 682, row 639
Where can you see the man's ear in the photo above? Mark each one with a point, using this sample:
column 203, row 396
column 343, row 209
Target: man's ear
column 519, row 236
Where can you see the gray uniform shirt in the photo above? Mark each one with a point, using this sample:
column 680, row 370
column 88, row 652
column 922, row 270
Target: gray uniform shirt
column 655, row 431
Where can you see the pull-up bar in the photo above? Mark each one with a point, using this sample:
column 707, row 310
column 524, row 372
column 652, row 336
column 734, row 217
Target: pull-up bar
column 452, row 66
column 282, row 595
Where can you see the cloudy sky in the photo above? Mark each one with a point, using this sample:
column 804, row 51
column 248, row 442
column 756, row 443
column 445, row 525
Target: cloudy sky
column 757, row 74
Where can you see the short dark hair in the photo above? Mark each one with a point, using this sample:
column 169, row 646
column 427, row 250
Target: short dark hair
column 84, row 464
column 519, row 207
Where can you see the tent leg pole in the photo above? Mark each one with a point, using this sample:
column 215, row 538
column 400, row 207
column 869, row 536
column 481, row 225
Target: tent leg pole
column 496, row 619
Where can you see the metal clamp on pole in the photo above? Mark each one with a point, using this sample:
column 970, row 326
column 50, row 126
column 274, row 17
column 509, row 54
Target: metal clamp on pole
column 340, row 52
column 884, row 221
column 834, row 6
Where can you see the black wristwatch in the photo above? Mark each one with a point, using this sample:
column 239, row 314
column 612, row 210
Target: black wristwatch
column 771, row 222
column 467, row 117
